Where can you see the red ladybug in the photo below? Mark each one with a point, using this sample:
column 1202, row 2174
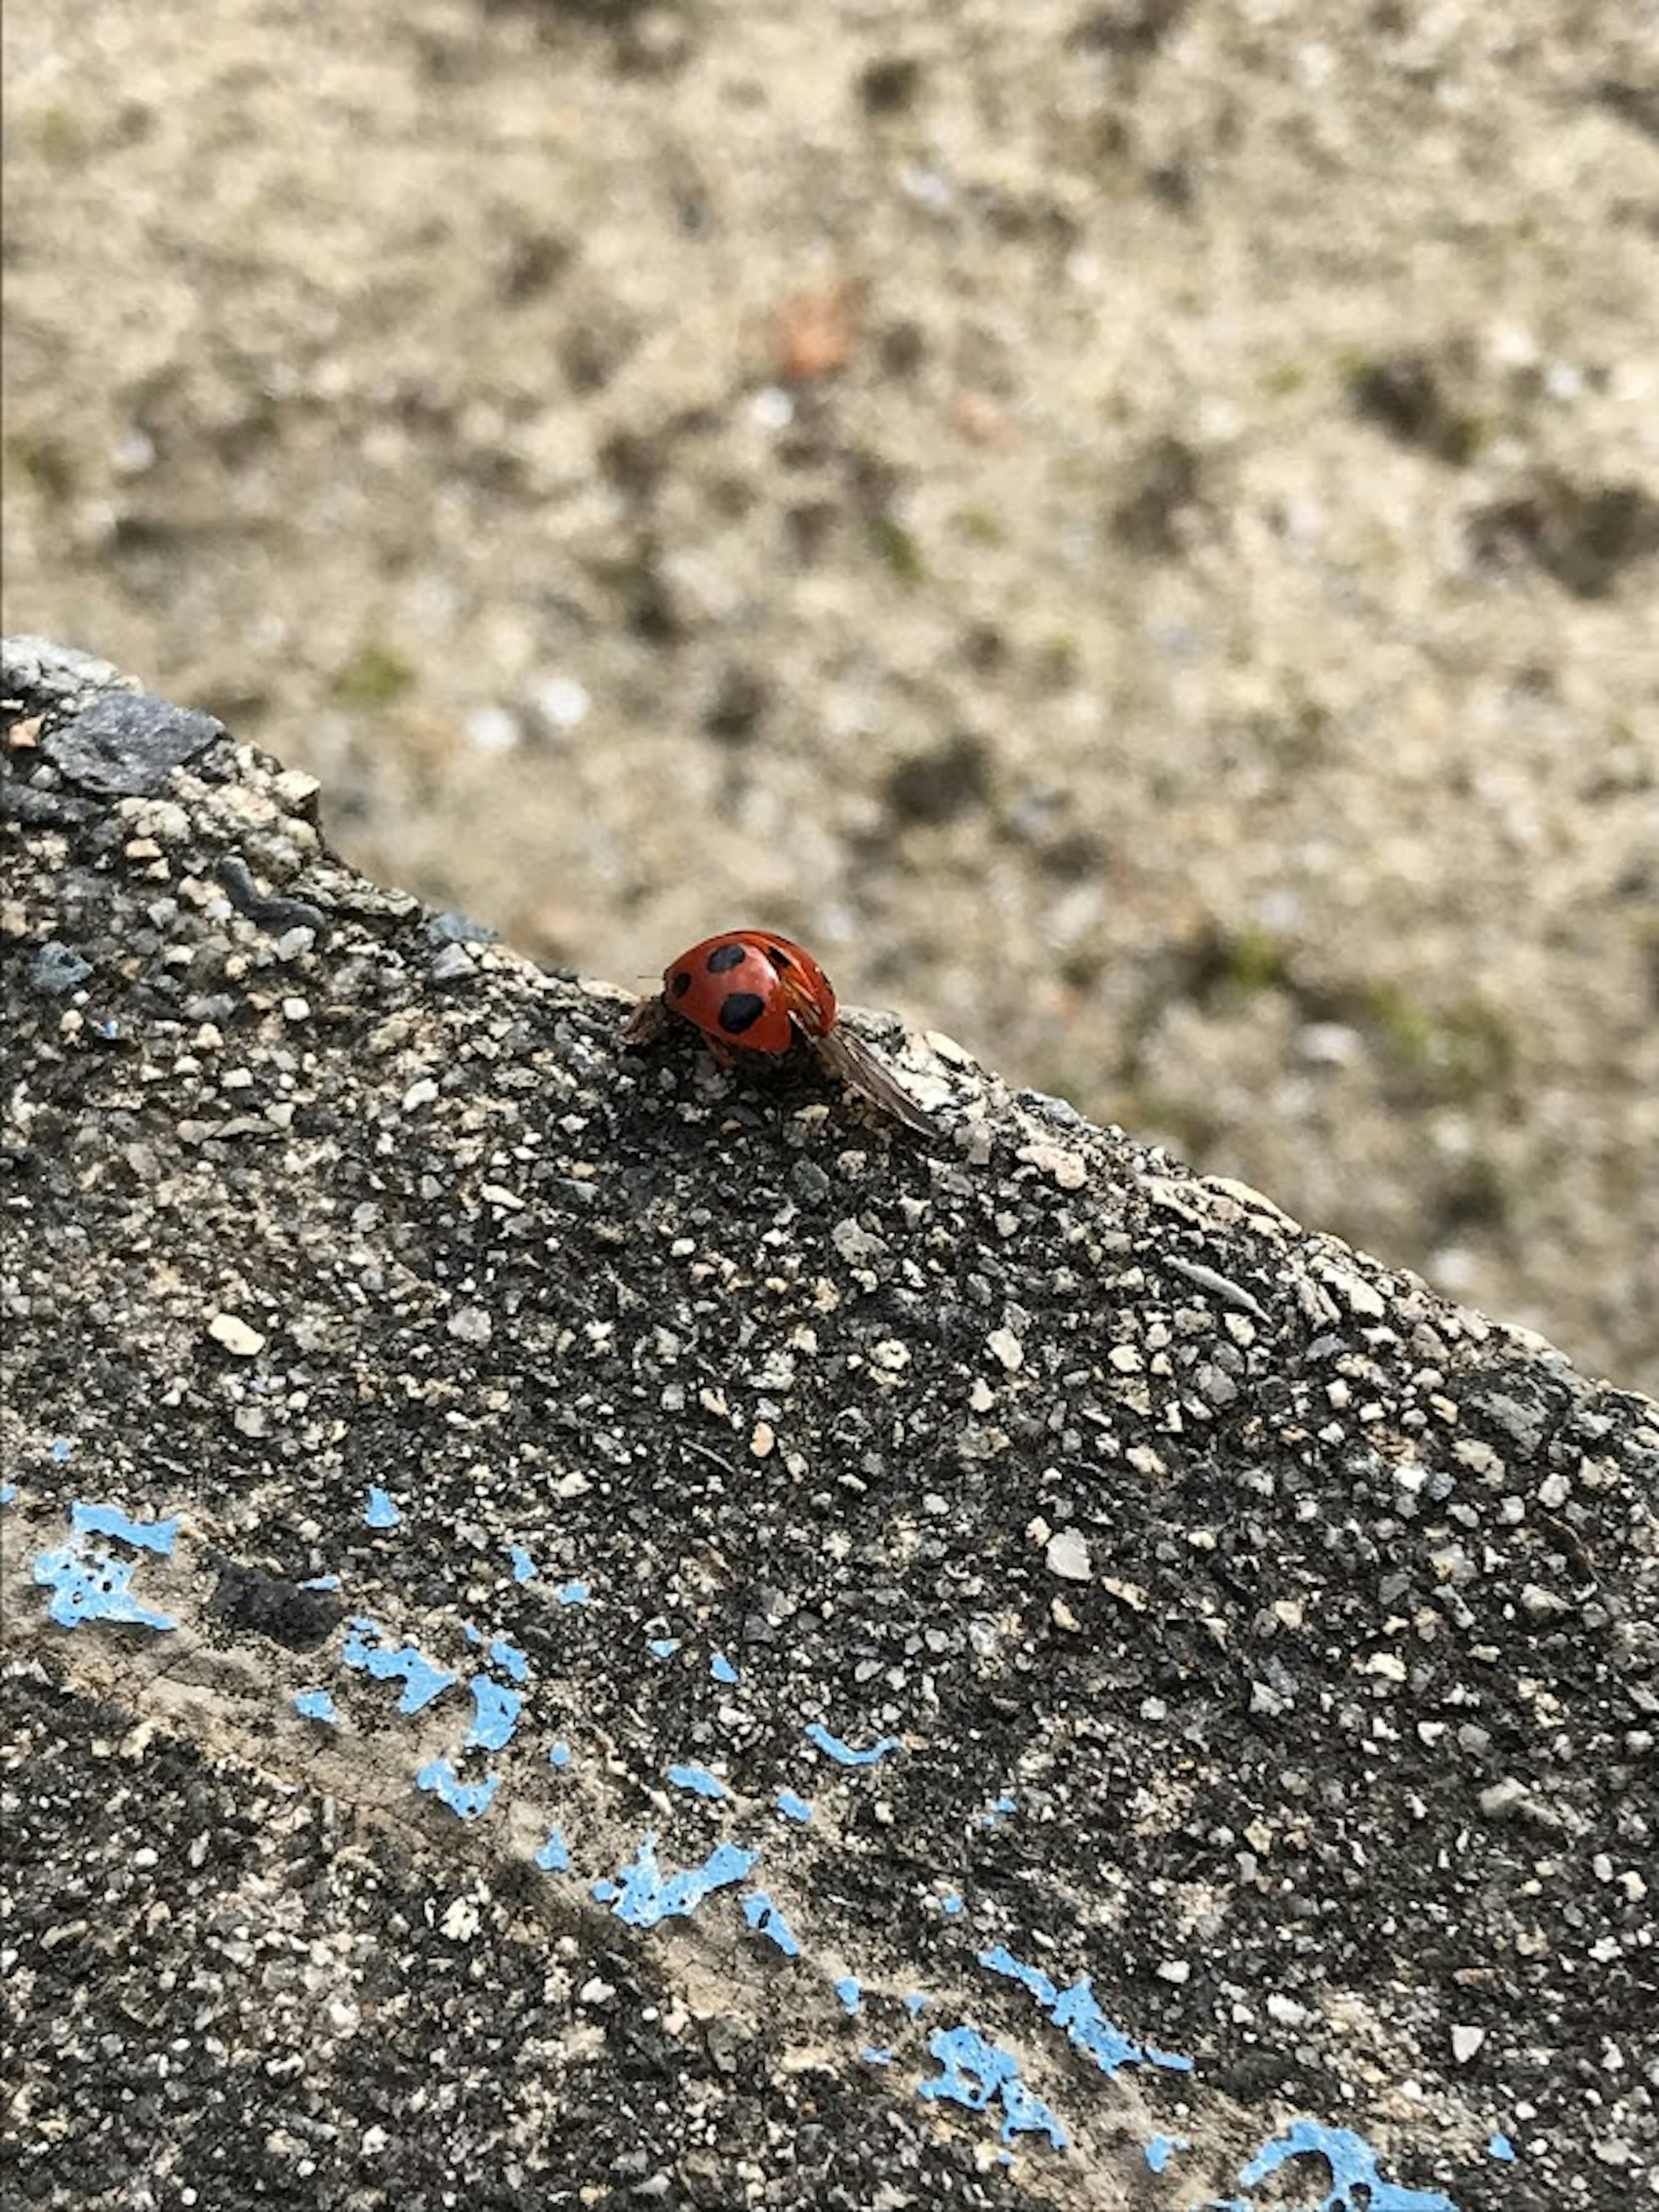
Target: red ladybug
column 749, row 990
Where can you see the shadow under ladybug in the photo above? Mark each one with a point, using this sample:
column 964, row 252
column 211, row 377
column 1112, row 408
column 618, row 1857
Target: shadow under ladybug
column 750, row 992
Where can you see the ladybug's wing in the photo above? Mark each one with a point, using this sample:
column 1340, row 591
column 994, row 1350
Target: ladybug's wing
column 858, row 1067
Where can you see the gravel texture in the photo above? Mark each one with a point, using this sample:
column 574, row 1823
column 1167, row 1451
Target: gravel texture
column 1130, row 528
column 1196, row 1681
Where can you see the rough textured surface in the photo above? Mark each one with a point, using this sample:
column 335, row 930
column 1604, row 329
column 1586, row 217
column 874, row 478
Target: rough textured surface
column 1238, row 1624
column 1128, row 525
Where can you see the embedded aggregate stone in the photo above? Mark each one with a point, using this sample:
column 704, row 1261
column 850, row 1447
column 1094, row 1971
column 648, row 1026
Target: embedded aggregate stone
column 1252, row 1654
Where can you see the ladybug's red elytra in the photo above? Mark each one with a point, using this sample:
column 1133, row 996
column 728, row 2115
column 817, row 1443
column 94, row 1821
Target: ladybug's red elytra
column 749, row 990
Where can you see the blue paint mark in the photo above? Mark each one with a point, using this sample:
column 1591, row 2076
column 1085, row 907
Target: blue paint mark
column 421, row 1681
column 1163, row 2148
column 975, row 2070
column 818, row 1734
column 872, row 2057
column 1499, row 2146
column 1353, row 2166
column 553, row 1858
column 663, row 1647
column 382, row 1513
column 110, row 1030
column 722, row 1670
column 495, row 1715
column 916, row 2003
column 469, row 1800
column 8, row 1493
column 645, row 1896
column 697, row 1779
column 952, row 1903
column 559, row 1755
column 61, row 1448
column 322, row 1581
column 316, row 1706
column 1076, row 2011
column 846, row 1988
column 524, row 1567
column 507, row 1656
column 999, row 1810
column 91, row 1586
column 764, row 1917
column 573, row 1592
column 110, row 1521
column 793, row 1808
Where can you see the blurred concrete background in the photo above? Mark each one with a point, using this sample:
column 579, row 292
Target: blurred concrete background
column 1130, row 529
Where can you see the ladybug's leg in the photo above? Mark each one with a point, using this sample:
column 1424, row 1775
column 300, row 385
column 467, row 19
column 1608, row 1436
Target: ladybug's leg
column 851, row 1060
column 721, row 1054
column 645, row 1023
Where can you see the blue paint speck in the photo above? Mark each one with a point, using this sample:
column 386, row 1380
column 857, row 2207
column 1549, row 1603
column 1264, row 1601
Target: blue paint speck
column 61, row 1448
column 553, row 1858
column 952, row 1903
column 91, row 1586
column 793, row 1808
column 663, row 1647
column 872, row 2057
column 1076, row 2011
column 524, row 1567
column 322, row 1581
column 421, row 1681
column 1163, row 2148
column 8, row 1493
column 469, row 1800
column 818, row 1734
column 316, row 1706
column 916, row 2003
column 495, row 1714
column 1499, row 2146
column 722, row 1670
column 999, row 1810
column 642, row 1895
column 697, row 1779
column 110, row 1521
column 764, row 1917
column 382, row 1513
column 973, row 2070
column 559, row 1755
column 573, row 1592
column 506, row 1654
column 1353, row 2166
column 847, row 1989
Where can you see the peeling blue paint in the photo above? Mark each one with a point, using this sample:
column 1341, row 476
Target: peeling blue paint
column 1076, row 2011
column 8, row 1493
column 382, row 1513
column 1499, row 2146
column 765, row 1919
column 818, row 1735
column 573, row 1592
column 951, row 1904
column 847, row 1989
column 697, row 1779
column 1162, row 2148
column 916, row 2003
column 642, row 1896
column 722, row 1670
column 999, row 1810
column 553, row 1858
column 524, row 1567
column 495, row 1714
column 322, row 1581
column 793, row 1808
column 316, row 1706
column 109, row 1521
column 91, row 1586
column 559, row 1755
column 469, row 1800
column 421, row 1681
column 61, row 1448
column 873, row 2057
column 663, row 1647
column 975, row 2070
column 506, row 1654
column 1352, row 2163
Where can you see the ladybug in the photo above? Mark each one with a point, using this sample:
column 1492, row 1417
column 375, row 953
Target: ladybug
column 749, row 990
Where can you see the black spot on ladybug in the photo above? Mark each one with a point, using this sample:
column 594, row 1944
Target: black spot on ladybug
column 779, row 958
column 741, row 1010
column 724, row 956
column 681, row 984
